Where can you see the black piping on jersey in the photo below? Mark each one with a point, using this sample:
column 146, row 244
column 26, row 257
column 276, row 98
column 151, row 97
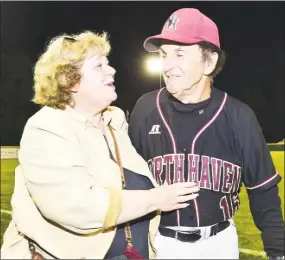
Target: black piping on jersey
column 193, row 143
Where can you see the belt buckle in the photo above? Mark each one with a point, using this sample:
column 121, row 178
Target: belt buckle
column 196, row 234
column 192, row 236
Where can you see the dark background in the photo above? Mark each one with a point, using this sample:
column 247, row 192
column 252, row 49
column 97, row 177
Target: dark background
column 251, row 33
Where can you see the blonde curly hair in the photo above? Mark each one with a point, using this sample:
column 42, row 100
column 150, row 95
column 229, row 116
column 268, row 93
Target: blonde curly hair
column 58, row 68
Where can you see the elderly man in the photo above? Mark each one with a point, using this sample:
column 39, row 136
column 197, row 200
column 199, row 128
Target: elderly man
column 191, row 131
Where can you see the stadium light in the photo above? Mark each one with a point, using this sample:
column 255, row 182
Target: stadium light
column 154, row 65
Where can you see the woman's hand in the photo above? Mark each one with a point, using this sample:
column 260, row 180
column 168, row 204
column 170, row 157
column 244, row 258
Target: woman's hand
column 174, row 196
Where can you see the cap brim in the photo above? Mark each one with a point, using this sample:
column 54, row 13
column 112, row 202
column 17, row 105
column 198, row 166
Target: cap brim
column 153, row 43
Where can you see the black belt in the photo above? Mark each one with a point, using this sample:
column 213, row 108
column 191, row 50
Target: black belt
column 194, row 235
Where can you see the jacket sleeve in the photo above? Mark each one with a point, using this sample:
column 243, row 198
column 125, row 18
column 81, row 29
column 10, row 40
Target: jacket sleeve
column 60, row 185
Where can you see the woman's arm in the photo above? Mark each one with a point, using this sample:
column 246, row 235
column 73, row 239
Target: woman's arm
column 165, row 198
column 67, row 194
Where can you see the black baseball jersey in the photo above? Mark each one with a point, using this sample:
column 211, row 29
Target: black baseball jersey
column 217, row 143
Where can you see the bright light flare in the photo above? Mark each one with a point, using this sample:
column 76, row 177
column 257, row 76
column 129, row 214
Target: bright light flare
column 154, row 65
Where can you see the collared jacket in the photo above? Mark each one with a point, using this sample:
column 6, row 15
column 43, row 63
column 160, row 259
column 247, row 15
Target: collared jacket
column 67, row 195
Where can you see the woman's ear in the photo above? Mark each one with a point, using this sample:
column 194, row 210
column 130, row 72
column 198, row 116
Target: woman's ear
column 75, row 88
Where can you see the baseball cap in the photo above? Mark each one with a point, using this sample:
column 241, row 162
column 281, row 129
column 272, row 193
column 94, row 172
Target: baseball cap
column 186, row 26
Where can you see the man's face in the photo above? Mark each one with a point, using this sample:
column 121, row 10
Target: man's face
column 183, row 67
column 96, row 87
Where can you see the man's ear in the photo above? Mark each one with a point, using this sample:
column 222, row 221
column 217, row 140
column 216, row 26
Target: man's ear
column 210, row 63
column 75, row 88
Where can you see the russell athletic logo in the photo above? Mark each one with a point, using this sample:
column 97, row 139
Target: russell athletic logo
column 155, row 130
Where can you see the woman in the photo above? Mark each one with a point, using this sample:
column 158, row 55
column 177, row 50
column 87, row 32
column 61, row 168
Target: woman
column 81, row 190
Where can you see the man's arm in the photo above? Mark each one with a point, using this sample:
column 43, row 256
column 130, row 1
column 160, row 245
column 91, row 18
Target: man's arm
column 267, row 215
column 261, row 179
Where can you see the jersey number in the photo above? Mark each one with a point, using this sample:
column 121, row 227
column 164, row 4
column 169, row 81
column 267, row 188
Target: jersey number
column 229, row 206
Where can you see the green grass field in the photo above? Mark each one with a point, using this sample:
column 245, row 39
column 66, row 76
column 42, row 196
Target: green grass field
column 249, row 236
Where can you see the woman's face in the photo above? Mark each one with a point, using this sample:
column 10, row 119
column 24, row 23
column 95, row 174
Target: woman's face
column 96, row 89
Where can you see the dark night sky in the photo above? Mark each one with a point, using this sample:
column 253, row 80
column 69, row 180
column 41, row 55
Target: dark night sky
column 251, row 33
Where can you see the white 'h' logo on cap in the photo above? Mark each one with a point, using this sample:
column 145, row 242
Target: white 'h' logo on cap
column 172, row 22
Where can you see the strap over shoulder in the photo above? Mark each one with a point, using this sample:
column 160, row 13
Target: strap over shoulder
column 116, row 118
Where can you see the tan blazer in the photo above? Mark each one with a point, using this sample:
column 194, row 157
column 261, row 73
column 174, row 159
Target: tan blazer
column 67, row 189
